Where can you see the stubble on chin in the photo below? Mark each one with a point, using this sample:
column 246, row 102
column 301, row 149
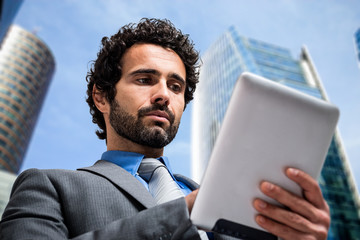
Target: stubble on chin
column 137, row 130
column 157, row 134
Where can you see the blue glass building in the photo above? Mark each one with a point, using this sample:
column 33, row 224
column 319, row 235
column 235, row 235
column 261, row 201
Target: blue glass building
column 357, row 45
column 224, row 61
column 8, row 10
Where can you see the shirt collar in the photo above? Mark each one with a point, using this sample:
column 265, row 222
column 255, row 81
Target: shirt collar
column 130, row 161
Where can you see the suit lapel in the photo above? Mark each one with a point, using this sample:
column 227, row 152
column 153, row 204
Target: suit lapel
column 122, row 179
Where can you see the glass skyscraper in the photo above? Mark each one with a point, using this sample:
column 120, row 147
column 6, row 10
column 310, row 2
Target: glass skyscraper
column 8, row 10
column 223, row 63
column 6, row 182
column 26, row 68
column 357, row 45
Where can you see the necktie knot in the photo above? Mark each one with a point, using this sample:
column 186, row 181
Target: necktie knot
column 147, row 168
column 161, row 184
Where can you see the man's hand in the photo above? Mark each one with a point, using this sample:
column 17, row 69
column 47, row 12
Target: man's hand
column 190, row 199
column 305, row 218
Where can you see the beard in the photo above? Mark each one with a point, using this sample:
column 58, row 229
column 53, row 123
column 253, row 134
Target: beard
column 133, row 128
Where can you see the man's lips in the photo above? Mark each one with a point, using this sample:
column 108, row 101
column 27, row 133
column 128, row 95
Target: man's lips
column 160, row 115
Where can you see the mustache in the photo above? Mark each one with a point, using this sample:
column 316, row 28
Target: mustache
column 145, row 110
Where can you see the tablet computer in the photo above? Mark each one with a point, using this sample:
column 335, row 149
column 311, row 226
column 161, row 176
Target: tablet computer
column 267, row 128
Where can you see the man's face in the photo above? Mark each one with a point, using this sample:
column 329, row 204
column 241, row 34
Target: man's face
column 149, row 101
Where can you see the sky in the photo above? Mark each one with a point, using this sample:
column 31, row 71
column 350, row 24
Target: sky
column 64, row 136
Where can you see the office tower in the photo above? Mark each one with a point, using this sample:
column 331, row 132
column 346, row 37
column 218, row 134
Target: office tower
column 26, row 68
column 6, row 181
column 8, row 10
column 222, row 64
column 357, row 45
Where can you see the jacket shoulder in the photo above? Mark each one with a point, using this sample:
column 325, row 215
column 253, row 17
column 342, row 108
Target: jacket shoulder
column 187, row 181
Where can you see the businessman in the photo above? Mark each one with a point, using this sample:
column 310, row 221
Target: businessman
column 138, row 88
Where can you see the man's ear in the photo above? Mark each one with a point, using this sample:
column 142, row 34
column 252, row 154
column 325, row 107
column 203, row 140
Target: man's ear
column 100, row 100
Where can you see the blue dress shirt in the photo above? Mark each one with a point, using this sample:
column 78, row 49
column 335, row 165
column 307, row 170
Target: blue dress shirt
column 130, row 161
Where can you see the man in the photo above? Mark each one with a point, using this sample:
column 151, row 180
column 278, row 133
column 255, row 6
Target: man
column 137, row 90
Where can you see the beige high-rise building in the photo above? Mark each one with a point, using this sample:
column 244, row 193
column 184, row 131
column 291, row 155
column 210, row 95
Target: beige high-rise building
column 26, row 69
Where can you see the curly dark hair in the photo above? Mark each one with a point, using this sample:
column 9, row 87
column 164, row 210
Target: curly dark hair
column 105, row 71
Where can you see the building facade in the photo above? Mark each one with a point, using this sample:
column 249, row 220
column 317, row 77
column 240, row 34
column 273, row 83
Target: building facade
column 8, row 10
column 6, row 182
column 26, row 69
column 357, row 45
column 223, row 63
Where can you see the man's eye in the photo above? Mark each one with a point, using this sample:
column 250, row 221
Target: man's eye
column 144, row 80
column 175, row 87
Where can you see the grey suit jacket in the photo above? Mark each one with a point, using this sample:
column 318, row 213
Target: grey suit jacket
column 103, row 201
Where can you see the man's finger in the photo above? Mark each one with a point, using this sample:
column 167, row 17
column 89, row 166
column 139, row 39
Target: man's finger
column 289, row 200
column 311, row 188
column 286, row 217
column 286, row 232
column 277, row 229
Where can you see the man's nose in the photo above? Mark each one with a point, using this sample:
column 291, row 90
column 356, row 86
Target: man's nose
column 161, row 94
